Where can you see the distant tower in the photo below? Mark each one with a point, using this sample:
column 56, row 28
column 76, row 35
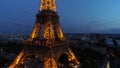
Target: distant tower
column 46, row 43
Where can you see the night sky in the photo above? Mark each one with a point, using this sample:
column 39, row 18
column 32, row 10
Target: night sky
column 76, row 16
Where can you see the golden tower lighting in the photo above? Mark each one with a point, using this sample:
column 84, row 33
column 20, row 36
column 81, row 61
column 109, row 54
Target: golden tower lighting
column 46, row 42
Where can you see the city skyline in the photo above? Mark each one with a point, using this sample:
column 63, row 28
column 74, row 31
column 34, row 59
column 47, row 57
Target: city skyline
column 80, row 16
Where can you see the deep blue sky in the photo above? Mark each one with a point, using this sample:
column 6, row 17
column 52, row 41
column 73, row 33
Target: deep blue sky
column 76, row 16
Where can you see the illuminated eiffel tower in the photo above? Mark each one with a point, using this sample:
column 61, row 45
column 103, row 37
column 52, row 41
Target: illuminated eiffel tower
column 46, row 43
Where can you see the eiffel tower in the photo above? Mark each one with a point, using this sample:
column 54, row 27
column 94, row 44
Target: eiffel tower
column 46, row 43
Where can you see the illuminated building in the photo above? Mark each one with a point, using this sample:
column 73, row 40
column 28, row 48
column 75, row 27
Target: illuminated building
column 46, row 42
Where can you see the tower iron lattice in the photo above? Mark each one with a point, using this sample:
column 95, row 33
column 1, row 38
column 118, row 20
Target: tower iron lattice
column 46, row 42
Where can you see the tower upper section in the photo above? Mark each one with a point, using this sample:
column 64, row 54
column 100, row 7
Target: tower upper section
column 48, row 5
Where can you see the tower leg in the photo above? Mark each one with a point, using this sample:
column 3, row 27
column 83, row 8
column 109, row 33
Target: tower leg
column 17, row 60
column 72, row 57
column 50, row 63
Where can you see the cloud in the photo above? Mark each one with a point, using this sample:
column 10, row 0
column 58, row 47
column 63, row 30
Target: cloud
column 102, row 22
column 21, row 24
column 25, row 12
column 112, row 30
column 96, row 26
column 93, row 22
